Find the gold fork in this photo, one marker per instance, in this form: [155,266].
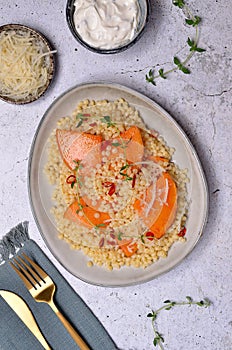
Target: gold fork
[42,288]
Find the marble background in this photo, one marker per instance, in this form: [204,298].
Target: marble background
[201,104]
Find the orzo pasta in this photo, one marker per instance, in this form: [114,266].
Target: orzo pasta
[118,195]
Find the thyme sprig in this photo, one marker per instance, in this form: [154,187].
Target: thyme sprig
[190,20]
[158,339]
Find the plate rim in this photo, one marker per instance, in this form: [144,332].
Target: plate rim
[168,116]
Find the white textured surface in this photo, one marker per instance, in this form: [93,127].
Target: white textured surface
[201,103]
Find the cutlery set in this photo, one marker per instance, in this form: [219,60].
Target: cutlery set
[42,289]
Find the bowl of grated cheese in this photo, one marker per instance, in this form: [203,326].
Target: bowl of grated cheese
[27,64]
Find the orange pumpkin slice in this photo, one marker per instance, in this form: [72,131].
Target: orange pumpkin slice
[163,211]
[82,214]
[75,146]
[134,148]
[168,212]
[128,247]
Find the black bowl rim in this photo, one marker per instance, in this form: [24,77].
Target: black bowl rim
[42,37]
[105,51]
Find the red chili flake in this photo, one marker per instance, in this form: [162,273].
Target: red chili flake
[92,124]
[182,232]
[111,185]
[150,235]
[70,179]
[112,236]
[101,242]
[86,115]
[111,242]
[112,190]
[133,181]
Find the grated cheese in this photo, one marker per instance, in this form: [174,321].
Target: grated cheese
[24,70]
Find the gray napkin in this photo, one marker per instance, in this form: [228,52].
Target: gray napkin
[14,334]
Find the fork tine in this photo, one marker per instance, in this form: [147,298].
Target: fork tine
[32,275]
[32,278]
[37,268]
[21,275]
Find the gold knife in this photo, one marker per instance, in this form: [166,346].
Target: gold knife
[22,310]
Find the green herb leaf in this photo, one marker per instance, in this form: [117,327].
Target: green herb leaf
[184,69]
[177,61]
[193,22]
[79,116]
[80,123]
[99,225]
[190,42]
[120,236]
[155,341]
[116,144]
[124,167]
[168,308]
[193,46]
[198,49]
[106,119]
[161,73]
[189,299]
[72,184]
[150,77]
[200,303]
[127,178]
[179,3]
[181,67]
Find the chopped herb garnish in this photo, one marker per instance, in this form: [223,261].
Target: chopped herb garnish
[106,119]
[99,225]
[126,177]
[120,236]
[116,144]
[80,118]
[80,206]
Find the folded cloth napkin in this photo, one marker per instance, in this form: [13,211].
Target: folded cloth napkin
[13,333]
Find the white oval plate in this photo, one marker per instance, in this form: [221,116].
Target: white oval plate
[40,192]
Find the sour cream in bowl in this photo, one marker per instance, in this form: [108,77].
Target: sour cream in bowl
[107,26]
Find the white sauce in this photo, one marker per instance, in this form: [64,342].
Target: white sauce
[106,24]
